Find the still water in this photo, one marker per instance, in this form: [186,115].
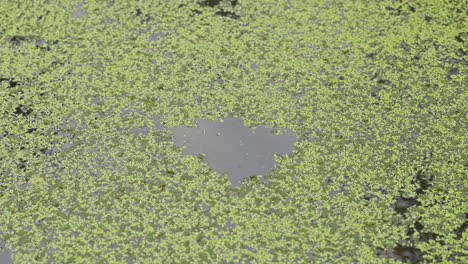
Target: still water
[231,147]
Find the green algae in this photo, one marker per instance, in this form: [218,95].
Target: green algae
[374,90]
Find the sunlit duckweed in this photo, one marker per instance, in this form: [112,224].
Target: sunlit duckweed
[375,92]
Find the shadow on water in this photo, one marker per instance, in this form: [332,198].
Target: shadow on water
[231,147]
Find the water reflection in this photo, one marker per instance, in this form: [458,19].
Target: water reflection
[231,147]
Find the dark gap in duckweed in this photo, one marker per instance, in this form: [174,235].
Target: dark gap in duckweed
[17,40]
[412,254]
[20,109]
[24,109]
[15,86]
[462,228]
[215,4]
[11,83]
[402,252]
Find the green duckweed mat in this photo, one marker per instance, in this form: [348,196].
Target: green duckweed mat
[376,92]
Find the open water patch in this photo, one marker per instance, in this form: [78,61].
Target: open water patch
[233,148]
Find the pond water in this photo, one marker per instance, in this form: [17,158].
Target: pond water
[5,254]
[231,147]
